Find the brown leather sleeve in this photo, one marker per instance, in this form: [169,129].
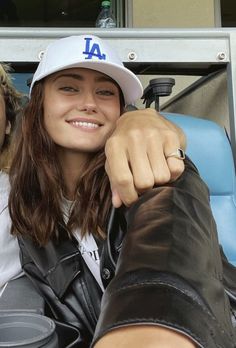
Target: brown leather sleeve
[169,271]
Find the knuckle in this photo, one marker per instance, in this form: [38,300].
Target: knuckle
[163,137]
[153,134]
[162,178]
[124,180]
[142,185]
[177,170]
[171,137]
[128,201]
[135,134]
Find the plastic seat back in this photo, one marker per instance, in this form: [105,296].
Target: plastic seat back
[210,150]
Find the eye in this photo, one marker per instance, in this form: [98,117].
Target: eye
[69,89]
[105,92]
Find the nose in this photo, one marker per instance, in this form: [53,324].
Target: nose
[88,103]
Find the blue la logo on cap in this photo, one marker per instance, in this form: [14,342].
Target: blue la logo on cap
[94,50]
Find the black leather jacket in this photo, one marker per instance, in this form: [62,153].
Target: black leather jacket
[160,264]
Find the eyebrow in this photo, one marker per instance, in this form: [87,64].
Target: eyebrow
[79,77]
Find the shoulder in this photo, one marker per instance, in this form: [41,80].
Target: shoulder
[4,182]
[6,239]
[4,191]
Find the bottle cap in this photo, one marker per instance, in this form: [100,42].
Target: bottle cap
[106,3]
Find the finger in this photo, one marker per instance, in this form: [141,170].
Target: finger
[158,162]
[116,200]
[160,168]
[176,167]
[121,180]
[140,167]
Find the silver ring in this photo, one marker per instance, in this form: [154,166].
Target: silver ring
[179,153]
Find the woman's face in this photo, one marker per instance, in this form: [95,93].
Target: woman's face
[4,125]
[81,107]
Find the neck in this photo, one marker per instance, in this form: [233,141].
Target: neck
[72,164]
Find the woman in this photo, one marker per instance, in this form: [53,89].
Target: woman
[157,264]
[10,106]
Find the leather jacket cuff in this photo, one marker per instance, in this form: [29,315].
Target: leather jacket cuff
[178,307]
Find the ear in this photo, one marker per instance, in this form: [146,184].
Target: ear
[8,128]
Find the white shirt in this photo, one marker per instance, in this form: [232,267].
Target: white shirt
[10,266]
[87,245]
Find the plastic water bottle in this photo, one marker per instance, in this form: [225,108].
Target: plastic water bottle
[105,18]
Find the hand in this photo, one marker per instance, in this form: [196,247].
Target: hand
[136,153]
[144,337]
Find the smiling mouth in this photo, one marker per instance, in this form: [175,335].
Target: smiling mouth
[83,124]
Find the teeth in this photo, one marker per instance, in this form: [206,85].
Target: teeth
[85,124]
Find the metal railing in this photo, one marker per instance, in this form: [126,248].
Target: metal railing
[145,51]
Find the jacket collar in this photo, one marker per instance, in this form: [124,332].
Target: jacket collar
[59,261]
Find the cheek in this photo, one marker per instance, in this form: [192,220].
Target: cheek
[51,115]
[48,114]
[114,113]
[51,112]
[48,122]
[50,119]
[53,126]
[53,129]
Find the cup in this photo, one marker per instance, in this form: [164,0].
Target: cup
[27,330]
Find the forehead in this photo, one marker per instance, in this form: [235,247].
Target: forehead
[81,74]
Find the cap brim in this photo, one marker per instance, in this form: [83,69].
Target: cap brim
[130,85]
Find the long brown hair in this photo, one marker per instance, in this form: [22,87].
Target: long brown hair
[37,184]
[13,105]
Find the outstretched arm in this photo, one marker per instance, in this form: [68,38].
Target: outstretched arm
[136,154]
[168,271]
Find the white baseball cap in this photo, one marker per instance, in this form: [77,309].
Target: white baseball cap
[88,51]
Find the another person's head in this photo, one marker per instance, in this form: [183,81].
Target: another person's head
[78,92]
[10,105]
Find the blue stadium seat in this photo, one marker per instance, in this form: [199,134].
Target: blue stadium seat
[210,150]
